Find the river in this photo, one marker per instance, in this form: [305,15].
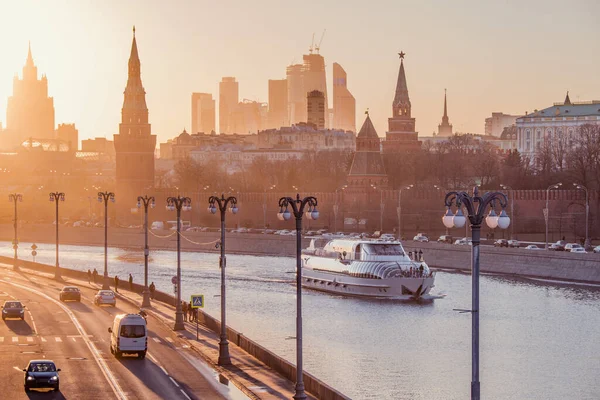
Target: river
[539,341]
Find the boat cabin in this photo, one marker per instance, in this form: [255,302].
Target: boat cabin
[364,250]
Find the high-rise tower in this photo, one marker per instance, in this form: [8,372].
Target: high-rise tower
[296,94]
[278,103]
[315,77]
[445,128]
[401,135]
[315,108]
[203,113]
[134,144]
[229,92]
[30,112]
[344,105]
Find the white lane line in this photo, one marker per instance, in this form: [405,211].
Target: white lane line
[185,394]
[58,339]
[150,356]
[108,374]
[157,340]
[168,339]
[29,339]
[1,338]
[43,339]
[164,370]
[15,339]
[73,339]
[174,381]
[34,327]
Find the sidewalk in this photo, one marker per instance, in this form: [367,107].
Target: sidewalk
[254,378]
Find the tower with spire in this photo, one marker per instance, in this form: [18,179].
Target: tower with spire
[401,135]
[445,128]
[367,166]
[30,112]
[134,144]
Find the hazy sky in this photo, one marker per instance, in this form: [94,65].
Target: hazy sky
[509,56]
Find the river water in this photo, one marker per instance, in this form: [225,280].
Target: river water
[539,341]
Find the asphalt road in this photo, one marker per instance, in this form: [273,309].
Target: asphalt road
[75,336]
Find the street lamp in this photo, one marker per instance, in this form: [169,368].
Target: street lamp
[105,197]
[475,206]
[546,211]
[336,207]
[222,203]
[298,206]
[146,201]
[265,205]
[55,197]
[400,209]
[14,197]
[512,209]
[179,203]
[587,244]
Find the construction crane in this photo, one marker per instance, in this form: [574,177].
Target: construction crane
[312,44]
[318,47]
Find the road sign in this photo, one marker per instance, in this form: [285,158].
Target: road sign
[197,301]
[174,280]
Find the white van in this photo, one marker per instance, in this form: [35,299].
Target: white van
[157,225]
[129,335]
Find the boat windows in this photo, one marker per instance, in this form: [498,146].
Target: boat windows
[357,252]
[383,249]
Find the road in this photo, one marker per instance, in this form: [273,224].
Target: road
[74,335]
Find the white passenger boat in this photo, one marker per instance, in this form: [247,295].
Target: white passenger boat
[366,268]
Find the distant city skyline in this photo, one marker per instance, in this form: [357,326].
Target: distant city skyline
[521,59]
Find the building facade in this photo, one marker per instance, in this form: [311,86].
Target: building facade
[278,104]
[203,113]
[306,137]
[495,124]
[401,135]
[315,109]
[229,93]
[367,167]
[558,122]
[68,134]
[344,104]
[134,144]
[296,94]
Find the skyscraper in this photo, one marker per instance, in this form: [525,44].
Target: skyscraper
[315,108]
[344,105]
[134,144]
[296,94]
[313,71]
[229,93]
[401,135]
[278,103]
[203,113]
[30,112]
[445,128]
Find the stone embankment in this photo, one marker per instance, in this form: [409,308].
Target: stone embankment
[504,261]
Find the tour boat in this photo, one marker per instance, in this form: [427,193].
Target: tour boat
[366,268]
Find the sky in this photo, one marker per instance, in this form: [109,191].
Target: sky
[508,56]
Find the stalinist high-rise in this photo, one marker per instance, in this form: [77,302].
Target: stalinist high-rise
[134,144]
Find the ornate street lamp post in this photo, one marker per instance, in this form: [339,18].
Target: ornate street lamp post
[475,206]
[105,197]
[298,206]
[547,211]
[15,197]
[400,209]
[587,244]
[179,203]
[146,201]
[223,204]
[55,197]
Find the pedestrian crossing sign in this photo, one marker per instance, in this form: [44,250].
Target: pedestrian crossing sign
[197,301]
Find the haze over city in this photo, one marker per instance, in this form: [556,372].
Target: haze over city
[491,56]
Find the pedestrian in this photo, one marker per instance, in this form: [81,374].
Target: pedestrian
[196,314]
[116,283]
[191,312]
[184,308]
[152,288]
[89,276]
[95,275]
[130,282]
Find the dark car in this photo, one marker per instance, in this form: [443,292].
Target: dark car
[501,243]
[13,309]
[70,293]
[445,239]
[41,374]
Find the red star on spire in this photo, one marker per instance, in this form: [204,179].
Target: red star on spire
[402,54]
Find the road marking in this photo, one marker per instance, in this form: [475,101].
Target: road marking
[73,339]
[157,340]
[15,339]
[43,339]
[185,394]
[29,339]
[58,339]
[154,360]
[74,336]
[164,370]
[108,374]
[1,338]
[33,323]
[174,382]
[168,339]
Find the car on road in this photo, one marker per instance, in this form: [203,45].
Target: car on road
[13,309]
[463,242]
[558,246]
[105,297]
[501,243]
[70,293]
[578,250]
[128,335]
[421,238]
[532,247]
[513,243]
[387,237]
[41,374]
[571,246]
[445,239]
[597,249]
